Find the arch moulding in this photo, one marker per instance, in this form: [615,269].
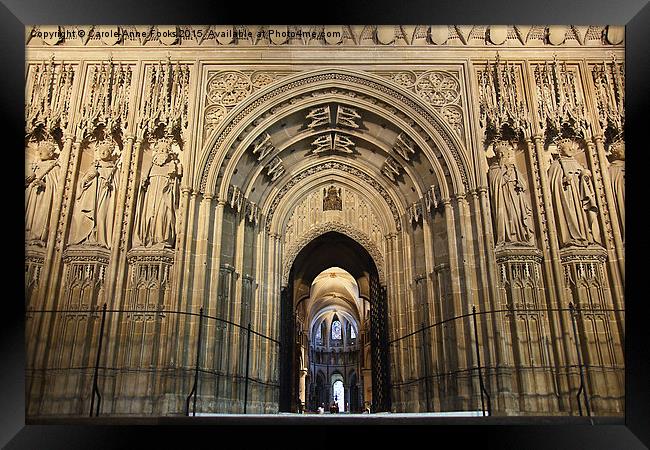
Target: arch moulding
[339,227]
[268,99]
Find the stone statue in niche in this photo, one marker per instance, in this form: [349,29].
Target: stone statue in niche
[574,198]
[41,184]
[617,180]
[159,198]
[332,199]
[511,209]
[96,199]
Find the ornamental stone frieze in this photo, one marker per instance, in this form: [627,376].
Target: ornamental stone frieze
[216,36]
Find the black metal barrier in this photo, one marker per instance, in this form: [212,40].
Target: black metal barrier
[478,330]
[96,343]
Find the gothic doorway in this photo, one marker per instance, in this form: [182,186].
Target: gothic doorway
[333,321]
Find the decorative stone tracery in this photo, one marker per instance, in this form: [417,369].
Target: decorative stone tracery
[339,227]
[228,88]
[332,165]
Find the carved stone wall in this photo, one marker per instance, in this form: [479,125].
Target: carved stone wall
[178,190]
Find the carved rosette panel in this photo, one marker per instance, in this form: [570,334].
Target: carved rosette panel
[440,89]
[343,228]
[228,88]
[225,89]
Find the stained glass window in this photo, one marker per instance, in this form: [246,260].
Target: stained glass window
[353,335]
[318,335]
[336,330]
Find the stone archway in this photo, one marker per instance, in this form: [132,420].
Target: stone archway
[391,158]
[329,250]
[342,228]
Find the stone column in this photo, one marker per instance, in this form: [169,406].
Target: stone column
[616,258]
[302,388]
[560,325]
[456,392]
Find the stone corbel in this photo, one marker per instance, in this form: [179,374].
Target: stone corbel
[431,199]
[404,147]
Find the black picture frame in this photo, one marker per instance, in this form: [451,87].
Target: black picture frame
[635,14]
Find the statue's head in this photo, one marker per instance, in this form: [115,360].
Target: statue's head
[504,151]
[617,149]
[163,147]
[104,149]
[567,146]
[47,149]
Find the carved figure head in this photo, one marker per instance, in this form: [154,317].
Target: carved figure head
[617,149]
[567,146]
[104,150]
[162,151]
[47,150]
[504,151]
